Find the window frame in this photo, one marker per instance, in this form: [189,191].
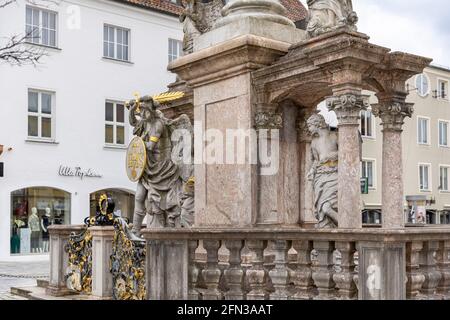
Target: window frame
[428,143]
[39,114]
[41,10]
[172,57]
[438,89]
[372,124]
[115,124]
[439,133]
[115,43]
[446,166]
[374,171]
[429,85]
[430,178]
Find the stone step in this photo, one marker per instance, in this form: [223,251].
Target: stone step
[42,283]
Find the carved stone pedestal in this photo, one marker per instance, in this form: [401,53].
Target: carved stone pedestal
[102,281]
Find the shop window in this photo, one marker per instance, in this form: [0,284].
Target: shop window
[124,202]
[33,210]
[431,217]
[371,217]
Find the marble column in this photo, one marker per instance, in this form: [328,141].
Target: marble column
[348,107]
[268,124]
[307,219]
[392,112]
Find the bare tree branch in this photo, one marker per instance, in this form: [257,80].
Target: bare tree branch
[18,49]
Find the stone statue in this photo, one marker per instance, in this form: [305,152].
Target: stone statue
[161,190]
[329,15]
[324,172]
[198,17]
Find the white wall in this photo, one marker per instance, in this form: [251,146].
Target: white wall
[82,81]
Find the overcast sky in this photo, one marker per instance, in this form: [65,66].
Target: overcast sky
[415,26]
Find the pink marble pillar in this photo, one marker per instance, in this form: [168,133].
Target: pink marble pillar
[348,108]
[392,113]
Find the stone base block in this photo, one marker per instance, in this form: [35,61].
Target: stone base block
[250,26]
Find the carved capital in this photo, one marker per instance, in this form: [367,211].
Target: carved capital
[304,135]
[348,107]
[393,114]
[268,120]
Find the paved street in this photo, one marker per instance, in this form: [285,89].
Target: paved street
[20,274]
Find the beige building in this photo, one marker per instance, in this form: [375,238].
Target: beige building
[426,152]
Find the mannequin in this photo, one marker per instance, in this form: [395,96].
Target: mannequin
[45,223]
[34,224]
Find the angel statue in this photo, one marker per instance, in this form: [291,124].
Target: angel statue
[159,160]
[329,15]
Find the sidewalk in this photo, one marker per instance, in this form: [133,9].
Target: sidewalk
[20,274]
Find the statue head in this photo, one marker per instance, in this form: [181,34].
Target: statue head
[315,123]
[148,107]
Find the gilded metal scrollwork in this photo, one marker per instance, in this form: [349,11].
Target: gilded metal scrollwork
[79,273]
[127,264]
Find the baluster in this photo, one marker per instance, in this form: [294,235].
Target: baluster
[429,269]
[281,273]
[212,273]
[302,276]
[323,271]
[193,271]
[344,279]
[234,274]
[257,275]
[415,277]
[443,264]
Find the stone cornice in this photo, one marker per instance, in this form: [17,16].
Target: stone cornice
[243,54]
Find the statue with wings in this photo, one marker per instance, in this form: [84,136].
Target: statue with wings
[159,159]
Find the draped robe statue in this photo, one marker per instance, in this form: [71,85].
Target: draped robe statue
[324,172]
[329,15]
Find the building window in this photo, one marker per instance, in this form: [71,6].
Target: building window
[367,171]
[124,202]
[422,85]
[114,123]
[443,178]
[424,177]
[443,133]
[175,49]
[367,124]
[40,111]
[442,91]
[422,131]
[41,26]
[445,217]
[33,210]
[116,43]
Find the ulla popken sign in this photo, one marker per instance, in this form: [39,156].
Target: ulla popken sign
[79,172]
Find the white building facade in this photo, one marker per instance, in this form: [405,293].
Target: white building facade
[63,125]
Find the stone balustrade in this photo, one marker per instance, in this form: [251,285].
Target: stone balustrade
[59,258]
[292,264]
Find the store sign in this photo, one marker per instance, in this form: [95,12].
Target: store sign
[79,172]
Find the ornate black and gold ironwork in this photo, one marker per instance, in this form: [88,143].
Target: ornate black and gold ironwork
[127,264]
[79,276]
[104,214]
